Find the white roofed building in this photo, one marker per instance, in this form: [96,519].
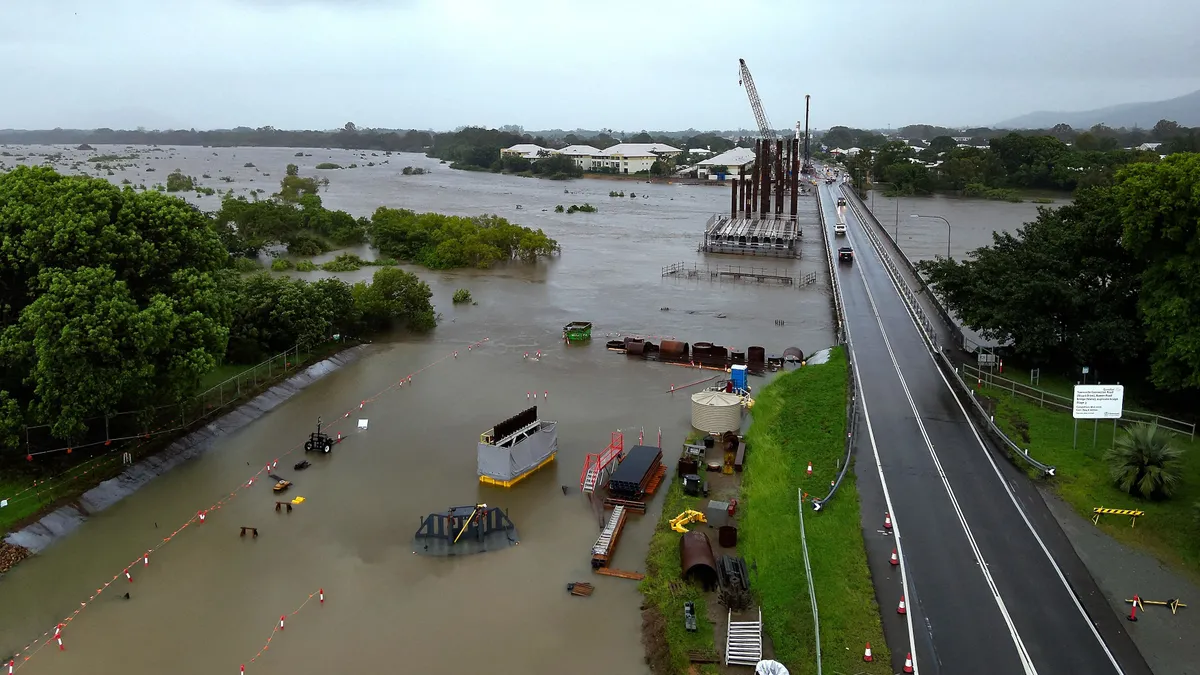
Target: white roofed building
[736,162]
[526,150]
[582,154]
[632,157]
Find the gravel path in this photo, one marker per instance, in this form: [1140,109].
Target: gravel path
[1169,643]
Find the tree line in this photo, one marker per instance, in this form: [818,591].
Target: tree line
[1111,281]
[115,299]
[998,165]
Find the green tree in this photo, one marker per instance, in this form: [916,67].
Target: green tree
[293,170]
[178,182]
[1145,462]
[1159,204]
[109,299]
[1062,289]
[395,297]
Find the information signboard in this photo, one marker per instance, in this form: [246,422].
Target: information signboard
[1098,401]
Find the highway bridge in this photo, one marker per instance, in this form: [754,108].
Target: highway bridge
[992,585]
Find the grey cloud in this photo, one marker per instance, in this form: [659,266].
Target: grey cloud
[623,64]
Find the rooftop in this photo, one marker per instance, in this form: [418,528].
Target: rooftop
[579,151]
[637,149]
[734,157]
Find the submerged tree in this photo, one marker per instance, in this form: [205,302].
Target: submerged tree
[1144,462]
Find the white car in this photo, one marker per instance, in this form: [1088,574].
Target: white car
[839,229]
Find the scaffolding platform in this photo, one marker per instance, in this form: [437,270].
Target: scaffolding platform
[464,530]
[514,449]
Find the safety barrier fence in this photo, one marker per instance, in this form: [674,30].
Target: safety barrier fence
[141,563]
[812,591]
[128,446]
[852,390]
[1049,399]
[942,359]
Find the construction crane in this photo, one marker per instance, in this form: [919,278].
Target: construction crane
[764,126]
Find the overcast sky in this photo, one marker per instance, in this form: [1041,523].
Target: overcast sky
[646,64]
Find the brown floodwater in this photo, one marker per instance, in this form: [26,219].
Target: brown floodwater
[209,599]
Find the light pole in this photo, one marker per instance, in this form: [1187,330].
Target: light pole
[948,256]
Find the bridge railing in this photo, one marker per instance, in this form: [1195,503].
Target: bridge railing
[942,359]
[838,308]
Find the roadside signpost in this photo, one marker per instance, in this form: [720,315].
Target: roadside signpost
[1097,402]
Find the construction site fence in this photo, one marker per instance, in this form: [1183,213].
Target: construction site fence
[942,358]
[852,387]
[130,425]
[1048,399]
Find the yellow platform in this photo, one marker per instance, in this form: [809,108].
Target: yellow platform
[487,480]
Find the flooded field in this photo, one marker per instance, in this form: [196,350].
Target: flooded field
[209,599]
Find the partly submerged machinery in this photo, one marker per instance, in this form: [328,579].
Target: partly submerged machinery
[463,530]
[318,442]
[515,448]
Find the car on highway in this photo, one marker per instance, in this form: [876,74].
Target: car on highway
[829,181]
[845,255]
[841,201]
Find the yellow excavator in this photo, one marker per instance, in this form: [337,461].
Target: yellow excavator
[686,518]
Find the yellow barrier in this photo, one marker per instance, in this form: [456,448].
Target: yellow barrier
[1101,511]
[1173,604]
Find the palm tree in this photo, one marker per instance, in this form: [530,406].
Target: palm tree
[1144,462]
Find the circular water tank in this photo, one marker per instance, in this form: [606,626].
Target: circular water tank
[716,412]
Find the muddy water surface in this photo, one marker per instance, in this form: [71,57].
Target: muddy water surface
[209,599]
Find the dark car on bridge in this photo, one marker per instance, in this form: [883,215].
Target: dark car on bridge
[841,201]
[845,255]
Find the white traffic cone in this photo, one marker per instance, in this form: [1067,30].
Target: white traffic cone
[901,609]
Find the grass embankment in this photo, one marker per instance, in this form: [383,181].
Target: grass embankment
[667,640]
[1168,530]
[37,488]
[798,418]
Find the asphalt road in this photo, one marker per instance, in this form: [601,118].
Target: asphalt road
[983,592]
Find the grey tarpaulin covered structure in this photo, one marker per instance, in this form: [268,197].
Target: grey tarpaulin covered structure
[524,442]
[770,668]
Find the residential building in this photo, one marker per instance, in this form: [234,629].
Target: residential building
[581,154]
[1148,146]
[526,150]
[737,161]
[632,157]
[620,158]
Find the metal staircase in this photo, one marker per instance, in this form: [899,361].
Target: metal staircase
[743,642]
[598,466]
[610,528]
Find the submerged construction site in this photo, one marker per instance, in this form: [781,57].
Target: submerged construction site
[757,222]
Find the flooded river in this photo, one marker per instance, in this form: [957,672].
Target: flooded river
[972,221]
[209,599]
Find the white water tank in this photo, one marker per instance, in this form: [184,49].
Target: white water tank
[715,412]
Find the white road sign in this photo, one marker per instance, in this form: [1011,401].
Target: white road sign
[1098,401]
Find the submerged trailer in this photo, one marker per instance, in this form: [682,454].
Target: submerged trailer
[513,449]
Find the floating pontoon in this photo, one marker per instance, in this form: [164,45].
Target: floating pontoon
[512,450]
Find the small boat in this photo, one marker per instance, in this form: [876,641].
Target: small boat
[302,465]
[282,485]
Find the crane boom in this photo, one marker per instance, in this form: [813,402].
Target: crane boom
[760,116]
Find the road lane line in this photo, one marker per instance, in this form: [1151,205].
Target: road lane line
[1012,497]
[1022,652]
[887,497]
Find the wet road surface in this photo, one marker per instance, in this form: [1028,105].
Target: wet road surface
[983,593]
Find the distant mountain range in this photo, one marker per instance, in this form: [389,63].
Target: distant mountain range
[1185,110]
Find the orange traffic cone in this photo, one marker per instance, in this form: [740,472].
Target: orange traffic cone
[908,667]
[1133,610]
[809,468]
[867,654]
[887,521]
[901,609]
[895,558]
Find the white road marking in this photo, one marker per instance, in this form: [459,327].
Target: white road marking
[1012,497]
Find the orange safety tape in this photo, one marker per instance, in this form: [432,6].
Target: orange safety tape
[276,629]
[24,654]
